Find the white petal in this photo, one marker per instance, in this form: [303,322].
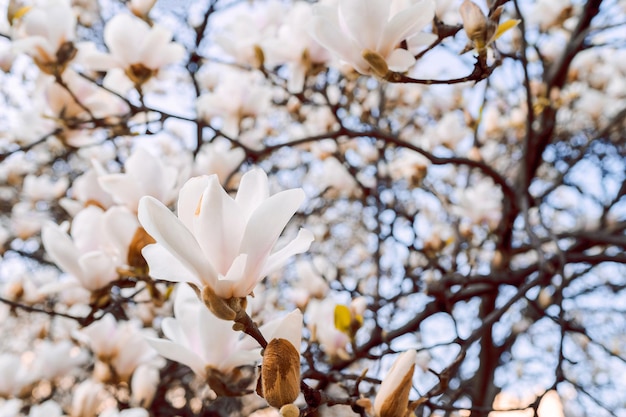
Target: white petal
[332,38]
[168,231]
[163,265]
[235,283]
[400,60]
[98,270]
[265,225]
[365,20]
[123,188]
[290,328]
[118,33]
[61,249]
[403,364]
[405,24]
[219,226]
[189,199]
[253,190]
[179,353]
[300,244]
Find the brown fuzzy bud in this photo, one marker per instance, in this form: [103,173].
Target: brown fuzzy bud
[280,373]
[377,63]
[225,309]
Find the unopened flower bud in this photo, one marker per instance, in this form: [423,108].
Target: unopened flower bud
[280,373]
[393,397]
[289,410]
[474,21]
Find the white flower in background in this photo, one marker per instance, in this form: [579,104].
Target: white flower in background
[43,187]
[54,359]
[143,385]
[45,33]
[237,95]
[122,346]
[218,157]
[294,46]
[218,241]
[15,375]
[140,50]
[98,245]
[26,220]
[310,284]
[392,399]
[335,180]
[87,398]
[320,319]
[480,203]
[86,191]
[63,106]
[200,340]
[145,174]
[367,35]
[246,29]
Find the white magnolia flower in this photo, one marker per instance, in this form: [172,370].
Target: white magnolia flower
[45,33]
[200,340]
[218,241]
[145,174]
[121,345]
[98,244]
[137,48]
[367,35]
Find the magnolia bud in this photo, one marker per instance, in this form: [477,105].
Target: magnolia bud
[280,373]
[474,21]
[289,410]
[393,397]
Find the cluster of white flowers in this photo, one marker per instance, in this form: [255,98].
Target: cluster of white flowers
[255,184]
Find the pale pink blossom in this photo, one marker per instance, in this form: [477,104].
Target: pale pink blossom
[219,241]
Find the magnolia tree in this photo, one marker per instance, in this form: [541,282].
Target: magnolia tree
[343,208]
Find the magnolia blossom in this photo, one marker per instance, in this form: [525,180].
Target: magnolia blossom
[46,33]
[367,35]
[237,95]
[120,345]
[98,244]
[218,241]
[294,46]
[200,340]
[481,203]
[320,319]
[136,47]
[145,174]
